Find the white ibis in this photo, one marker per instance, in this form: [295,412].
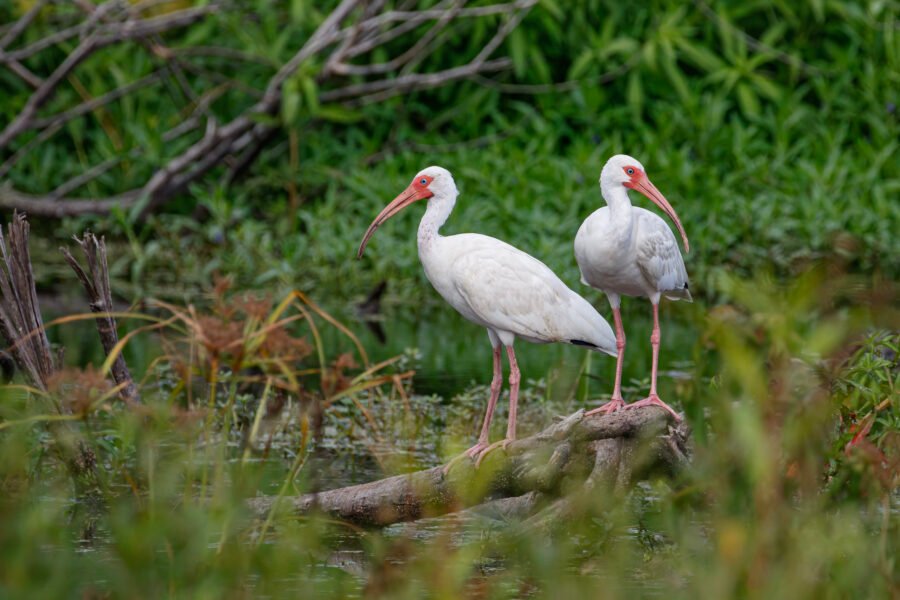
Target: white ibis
[627,251]
[497,286]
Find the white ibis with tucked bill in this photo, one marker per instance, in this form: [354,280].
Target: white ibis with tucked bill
[497,286]
[627,251]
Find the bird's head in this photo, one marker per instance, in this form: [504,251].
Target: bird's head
[625,171]
[429,182]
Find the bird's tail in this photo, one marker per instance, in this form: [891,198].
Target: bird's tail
[596,333]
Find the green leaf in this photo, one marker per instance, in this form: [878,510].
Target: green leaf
[767,87]
[581,64]
[648,54]
[635,93]
[673,72]
[291,100]
[553,8]
[620,45]
[518,52]
[700,56]
[310,93]
[748,100]
[339,114]
[539,65]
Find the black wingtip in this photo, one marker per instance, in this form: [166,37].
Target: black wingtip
[582,343]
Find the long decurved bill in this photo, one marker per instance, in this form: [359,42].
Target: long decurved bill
[646,187]
[407,197]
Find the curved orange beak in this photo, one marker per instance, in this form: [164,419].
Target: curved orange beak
[643,185]
[407,197]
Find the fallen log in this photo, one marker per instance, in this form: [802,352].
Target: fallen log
[577,452]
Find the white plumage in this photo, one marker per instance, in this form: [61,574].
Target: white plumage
[497,286]
[627,251]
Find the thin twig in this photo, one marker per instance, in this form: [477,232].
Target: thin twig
[244,137]
[125,31]
[562,86]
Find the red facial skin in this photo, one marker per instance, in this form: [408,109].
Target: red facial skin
[638,181]
[417,190]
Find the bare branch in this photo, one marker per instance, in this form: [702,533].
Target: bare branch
[416,50]
[412,19]
[95,103]
[381,89]
[239,141]
[127,30]
[20,25]
[562,86]
[11,199]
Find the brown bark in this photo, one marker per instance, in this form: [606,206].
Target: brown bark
[598,452]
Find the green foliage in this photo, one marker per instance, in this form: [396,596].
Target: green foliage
[747,519]
[772,128]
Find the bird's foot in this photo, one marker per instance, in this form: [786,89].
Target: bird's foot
[653,400]
[608,408]
[471,453]
[477,449]
[501,444]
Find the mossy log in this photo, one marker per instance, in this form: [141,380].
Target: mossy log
[600,451]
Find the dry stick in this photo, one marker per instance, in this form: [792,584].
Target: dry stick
[19,313]
[20,25]
[599,452]
[220,142]
[562,86]
[379,90]
[96,285]
[22,326]
[417,50]
[55,38]
[385,88]
[412,19]
[10,36]
[95,41]
[375,40]
[95,103]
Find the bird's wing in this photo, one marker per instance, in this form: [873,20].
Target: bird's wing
[512,291]
[659,257]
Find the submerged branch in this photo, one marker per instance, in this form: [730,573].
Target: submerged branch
[601,451]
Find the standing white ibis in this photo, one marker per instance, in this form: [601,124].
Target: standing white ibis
[497,286]
[627,251]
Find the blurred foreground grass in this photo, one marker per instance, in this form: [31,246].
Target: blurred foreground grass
[792,493]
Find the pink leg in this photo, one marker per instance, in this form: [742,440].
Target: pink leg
[616,402]
[653,398]
[514,378]
[496,384]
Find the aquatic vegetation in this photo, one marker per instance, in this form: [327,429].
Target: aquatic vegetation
[783,378]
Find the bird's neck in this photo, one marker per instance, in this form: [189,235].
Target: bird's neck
[439,208]
[616,196]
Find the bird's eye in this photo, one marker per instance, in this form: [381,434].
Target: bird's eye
[630,171]
[423,181]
